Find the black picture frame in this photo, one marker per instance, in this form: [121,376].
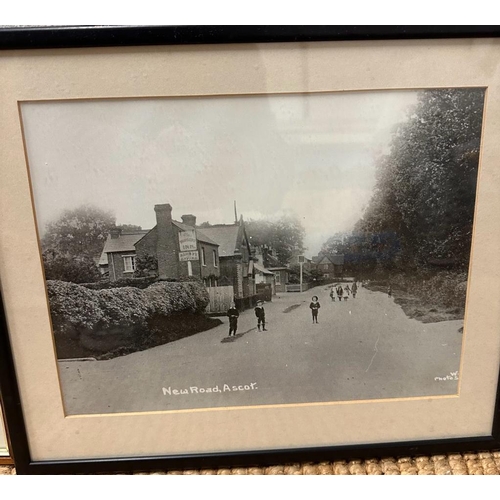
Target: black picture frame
[39,37]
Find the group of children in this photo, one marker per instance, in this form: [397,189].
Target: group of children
[344,292]
[260,313]
[233,314]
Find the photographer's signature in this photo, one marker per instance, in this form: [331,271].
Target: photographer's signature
[451,376]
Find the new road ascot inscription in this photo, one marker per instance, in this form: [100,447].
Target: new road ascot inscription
[169,391]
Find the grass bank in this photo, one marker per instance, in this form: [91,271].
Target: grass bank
[429,298]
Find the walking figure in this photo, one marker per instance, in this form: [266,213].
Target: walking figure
[332,295]
[389,291]
[261,315]
[233,319]
[348,290]
[314,305]
[354,290]
[340,292]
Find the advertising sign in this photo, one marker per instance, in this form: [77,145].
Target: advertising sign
[186,256]
[187,241]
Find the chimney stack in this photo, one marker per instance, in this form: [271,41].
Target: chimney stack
[115,233]
[189,220]
[166,246]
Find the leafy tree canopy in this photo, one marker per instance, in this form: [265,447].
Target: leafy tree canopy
[426,184]
[285,236]
[129,227]
[60,267]
[422,207]
[80,232]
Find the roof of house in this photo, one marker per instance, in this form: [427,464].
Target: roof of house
[200,234]
[337,260]
[226,235]
[262,269]
[124,243]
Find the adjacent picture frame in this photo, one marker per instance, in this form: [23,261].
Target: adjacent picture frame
[4,450]
[64,414]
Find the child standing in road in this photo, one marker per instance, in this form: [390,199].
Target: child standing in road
[340,292]
[314,305]
[233,319]
[354,290]
[261,315]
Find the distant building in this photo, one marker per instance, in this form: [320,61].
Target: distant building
[306,262]
[266,257]
[330,266]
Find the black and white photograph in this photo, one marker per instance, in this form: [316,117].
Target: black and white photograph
[222,251]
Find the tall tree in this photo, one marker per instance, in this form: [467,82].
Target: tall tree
[334,244]
[426,184]
[285,236]
[79,233]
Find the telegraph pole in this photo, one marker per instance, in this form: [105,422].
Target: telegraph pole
[301,262]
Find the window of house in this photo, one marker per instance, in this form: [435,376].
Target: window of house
[278,278]
[129,263]
[203,261]
[215,258]
[325,266]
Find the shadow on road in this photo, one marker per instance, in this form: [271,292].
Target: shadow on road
[236,337]
[291,308]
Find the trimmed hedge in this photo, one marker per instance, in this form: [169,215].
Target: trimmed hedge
[73,307]
[123,282]
[140,282]
[78,308]
[123,307]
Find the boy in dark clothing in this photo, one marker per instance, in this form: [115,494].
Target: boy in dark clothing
[354,290]
[261,315]
[233,319]
[314,305]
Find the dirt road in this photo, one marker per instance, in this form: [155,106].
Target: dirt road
[363,348]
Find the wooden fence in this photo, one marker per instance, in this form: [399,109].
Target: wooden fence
[220,299]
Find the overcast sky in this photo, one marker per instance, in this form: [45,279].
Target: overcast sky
[311,155]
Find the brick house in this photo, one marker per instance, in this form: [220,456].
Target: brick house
[236,263]
[180,248]
[330,266]
[218,254]
[118,258]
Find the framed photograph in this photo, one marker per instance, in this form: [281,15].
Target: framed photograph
[235,246]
